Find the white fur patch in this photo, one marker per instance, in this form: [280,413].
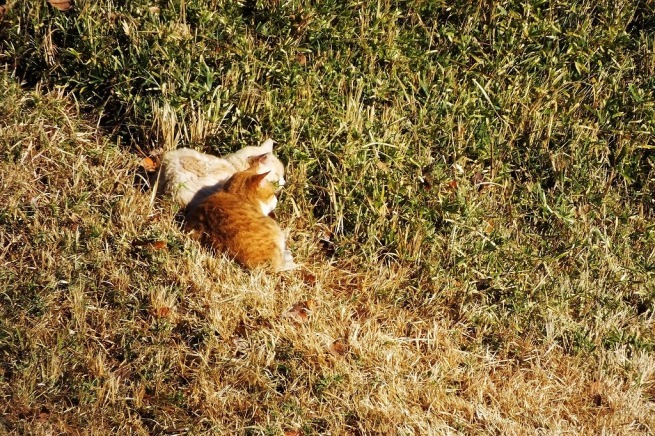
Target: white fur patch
[268,207]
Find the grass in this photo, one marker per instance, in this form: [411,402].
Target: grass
[470,190]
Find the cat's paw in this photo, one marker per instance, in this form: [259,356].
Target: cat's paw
[289,263]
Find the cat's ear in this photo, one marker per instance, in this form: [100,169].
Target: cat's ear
[253,161]
[267,145]
[258,179]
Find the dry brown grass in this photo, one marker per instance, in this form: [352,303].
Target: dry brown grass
[471,193]
[103,330]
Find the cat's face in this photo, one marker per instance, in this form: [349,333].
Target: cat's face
[253,185]
[243,159]
[268,163]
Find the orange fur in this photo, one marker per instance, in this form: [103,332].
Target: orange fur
[235,221]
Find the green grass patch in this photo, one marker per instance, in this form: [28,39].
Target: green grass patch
[470,184]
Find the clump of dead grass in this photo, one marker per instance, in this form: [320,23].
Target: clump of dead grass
[470,195]
[100,331]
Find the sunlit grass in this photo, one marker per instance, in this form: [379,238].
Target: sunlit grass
[470,189]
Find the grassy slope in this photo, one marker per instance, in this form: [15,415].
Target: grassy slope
[484,173]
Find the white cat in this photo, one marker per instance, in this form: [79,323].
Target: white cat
[190,176]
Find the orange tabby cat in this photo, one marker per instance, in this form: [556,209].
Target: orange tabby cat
[235,221]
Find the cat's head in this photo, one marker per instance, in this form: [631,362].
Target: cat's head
[268,163]
[254,186]
[244,159]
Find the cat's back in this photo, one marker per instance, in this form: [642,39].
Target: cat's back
[229,224]
[185,172]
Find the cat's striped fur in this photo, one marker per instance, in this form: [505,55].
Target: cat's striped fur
[235,221]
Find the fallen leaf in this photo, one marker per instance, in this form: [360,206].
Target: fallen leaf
[337,348]
[149,164]
[489,227]
[292,433]
[158,245]
[308,278]
[452,184]
[382,166]
[300,311]
[61,5]
[153,9]
[44,414]
[163,312]
[154,245]
[302,59]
